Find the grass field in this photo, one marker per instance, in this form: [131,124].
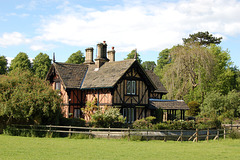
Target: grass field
[63,148]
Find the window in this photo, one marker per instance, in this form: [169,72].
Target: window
[57,85]
[129,114]
[77,113]
[131,87]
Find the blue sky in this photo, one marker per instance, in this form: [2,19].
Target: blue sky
[66,26]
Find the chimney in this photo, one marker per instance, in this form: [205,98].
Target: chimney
[111,55]
[102,54]
[89,56]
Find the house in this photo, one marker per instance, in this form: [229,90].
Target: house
[122,84]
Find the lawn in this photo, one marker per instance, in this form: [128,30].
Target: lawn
[63,148]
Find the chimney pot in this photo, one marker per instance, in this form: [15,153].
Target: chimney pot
[89,56]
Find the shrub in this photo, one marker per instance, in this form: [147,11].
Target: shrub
[108,117]
[194,108]
[234,134]
[144,123]
[72,122]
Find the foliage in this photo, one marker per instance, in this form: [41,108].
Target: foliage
[41,65]
[149,65]
[76,58]
[26,98]
[131,55]
[202,38]
[224,106]
[194,108]
[3,65]
[234,134]
[21,61]
[175,125]
[72,122]
[107,117]
[163,59]
[144,123]
[89,109]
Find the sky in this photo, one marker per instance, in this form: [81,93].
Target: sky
[66,26]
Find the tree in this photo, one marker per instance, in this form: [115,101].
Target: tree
[3,65]
[203,38]
[76,58]
[28,99]
[21,61]
[41,65]
[163,59]
[132,56]
[149,65]
[194,108]
[189,72]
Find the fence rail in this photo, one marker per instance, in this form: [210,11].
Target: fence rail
[179,135]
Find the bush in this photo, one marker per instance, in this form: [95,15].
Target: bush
[72,122]
[144,123]
[194,108]
[108,117]
[234,134]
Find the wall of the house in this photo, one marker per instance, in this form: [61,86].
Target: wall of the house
[64,96]
[156,95]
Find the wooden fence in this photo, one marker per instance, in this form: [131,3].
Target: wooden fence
[178,135]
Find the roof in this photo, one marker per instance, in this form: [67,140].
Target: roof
[72,75]
[107,75]
[168,104]
[156,80]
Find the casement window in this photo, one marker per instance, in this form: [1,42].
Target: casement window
[131,87]
[129,114]
[77,113]
[57,86]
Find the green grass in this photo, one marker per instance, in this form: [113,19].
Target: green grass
[63,148]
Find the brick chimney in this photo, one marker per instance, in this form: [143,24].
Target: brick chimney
[89,56]
[111,55]
[102,54]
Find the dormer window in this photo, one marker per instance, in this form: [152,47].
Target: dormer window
[131,87]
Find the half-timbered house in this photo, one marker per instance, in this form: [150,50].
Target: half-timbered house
[122,84]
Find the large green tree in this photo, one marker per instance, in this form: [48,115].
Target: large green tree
[163,59]
[21,61]
[3,65]
[202,38]
[149,65]
[28,99]
[76,58]
[132,55]
[41,65]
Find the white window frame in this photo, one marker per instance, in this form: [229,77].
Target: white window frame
[57,85]
[131,87]
[76,112]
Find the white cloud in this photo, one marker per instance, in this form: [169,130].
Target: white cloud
[14,38]
[146,26]
[42,47]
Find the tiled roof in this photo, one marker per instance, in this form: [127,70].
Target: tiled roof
[168,104]
[107,75]
[72,75]
[155,79]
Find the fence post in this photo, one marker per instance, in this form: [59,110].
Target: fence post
[50,131]
[147,134]
[69,133]
[181,135]
[207,134]
[224,133]
[218,134]
[166,135]
[128,133]
[108,132]
[196,135]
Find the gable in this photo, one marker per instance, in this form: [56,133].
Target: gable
[71,75]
